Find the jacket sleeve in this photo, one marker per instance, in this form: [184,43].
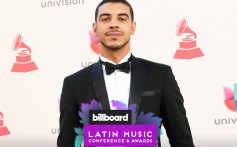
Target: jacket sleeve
[174,114]
[69,118]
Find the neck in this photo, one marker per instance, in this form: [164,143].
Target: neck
[114,55]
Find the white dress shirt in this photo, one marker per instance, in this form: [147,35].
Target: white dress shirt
[118,83]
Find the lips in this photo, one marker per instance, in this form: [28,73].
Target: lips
[113,33]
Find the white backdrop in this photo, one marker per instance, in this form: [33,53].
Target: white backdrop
[57,32]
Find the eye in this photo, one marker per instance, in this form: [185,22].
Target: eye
[122,18]
[104,19]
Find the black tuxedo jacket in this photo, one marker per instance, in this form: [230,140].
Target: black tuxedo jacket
[153,88]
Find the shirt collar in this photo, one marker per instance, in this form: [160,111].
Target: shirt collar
[125,58]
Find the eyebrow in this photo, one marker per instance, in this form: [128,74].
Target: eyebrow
[123,14]
[120,14]
[104,14]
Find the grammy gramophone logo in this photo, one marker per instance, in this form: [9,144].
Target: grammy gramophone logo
[187,46]
[3,129]
[23,58]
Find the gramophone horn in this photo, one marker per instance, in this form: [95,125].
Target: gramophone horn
[18,43]
[182,27]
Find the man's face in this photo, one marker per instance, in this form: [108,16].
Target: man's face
[114,25]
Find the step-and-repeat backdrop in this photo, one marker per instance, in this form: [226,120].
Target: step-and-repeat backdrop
[43,41]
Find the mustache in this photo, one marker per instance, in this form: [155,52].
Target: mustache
[113,31]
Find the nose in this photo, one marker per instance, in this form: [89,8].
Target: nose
[114,27]
[114,24]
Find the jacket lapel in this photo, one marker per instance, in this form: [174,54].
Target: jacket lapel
[99,86]
[138,78]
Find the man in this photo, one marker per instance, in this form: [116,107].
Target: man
[150,85]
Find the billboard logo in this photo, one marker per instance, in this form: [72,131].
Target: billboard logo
[94,42]
[145,123]
[121,135]
[110,117]
[187,46]
[231,98]
[3,129]
[23,58]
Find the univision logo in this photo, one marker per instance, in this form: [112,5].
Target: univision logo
[94,42]
[231,98]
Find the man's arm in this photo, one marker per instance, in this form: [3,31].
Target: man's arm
[69,118]
[174,114]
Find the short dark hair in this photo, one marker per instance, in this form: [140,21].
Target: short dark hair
[114,1]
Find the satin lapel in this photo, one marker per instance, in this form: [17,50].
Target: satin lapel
[99,86]
[138,78]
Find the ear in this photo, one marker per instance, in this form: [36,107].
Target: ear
[133,27]
[94,27]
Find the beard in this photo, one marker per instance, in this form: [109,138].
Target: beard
[114,47]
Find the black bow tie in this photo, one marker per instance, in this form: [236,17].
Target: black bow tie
[110,68]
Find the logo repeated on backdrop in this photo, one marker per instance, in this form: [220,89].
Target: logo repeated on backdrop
[94,45]
[230,98]
[94,42]
[187,46]
[23,58]
[3,129]
[230,101]
[60,3]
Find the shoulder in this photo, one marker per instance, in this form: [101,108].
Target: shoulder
[153,65]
